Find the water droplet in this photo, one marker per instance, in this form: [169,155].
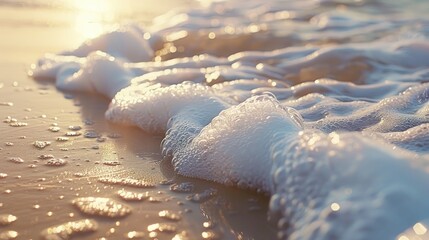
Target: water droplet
[166,214]
[7,104]
[210,235]
[162,227]
[335,207]
[101,206]
[135,235]
[203,196]
[181,236]
[89,122]
[208,224]
[73,134]
[114,135]
[8,235]
[126,182]
[155,199]
[9,119]
[6,219]
[184,187]
[79,174]
[16,160]
[18,124]
[91,134]
[112,163]
[41,144]
[133,196]
[69,229]
[56,162]
[153,234]
[74,128]
[54,129]
[46,156]
[62,139]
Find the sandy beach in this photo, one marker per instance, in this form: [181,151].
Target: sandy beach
[98,160]
[282,119]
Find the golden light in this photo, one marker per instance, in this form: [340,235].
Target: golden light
[335,207]
[92,17]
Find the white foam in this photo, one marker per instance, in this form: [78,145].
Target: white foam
[234,148]
[152,107]
[324,182]
[340,142]
[127,42]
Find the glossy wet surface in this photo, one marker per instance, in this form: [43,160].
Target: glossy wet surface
[59,157]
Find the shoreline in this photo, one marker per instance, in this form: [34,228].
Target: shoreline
[40,196]
[45,193]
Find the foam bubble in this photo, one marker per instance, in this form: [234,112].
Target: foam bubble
[16,160]
[125,42]
[133,196]
[69,229]
[140,183]
[6,219]
[56,162]
[319,187]
[101,207]
[215,153]
[151,108]
[340,142]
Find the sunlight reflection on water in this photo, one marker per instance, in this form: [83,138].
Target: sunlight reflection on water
[92,16]
[55,25]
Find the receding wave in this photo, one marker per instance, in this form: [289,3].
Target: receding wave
[323,105]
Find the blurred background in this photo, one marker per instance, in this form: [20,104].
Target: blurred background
[30,28]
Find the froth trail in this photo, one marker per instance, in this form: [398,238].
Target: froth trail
[323,108]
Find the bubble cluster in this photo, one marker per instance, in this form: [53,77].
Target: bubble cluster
[184,187]
[6,219]
[16,160]
[162,227]
[98,206]
[8,235]
[169,215]
[321,104]
[70,229]
[54,129]
[127,182]
[73,134]
[133,196]
[56,162]
[41,144]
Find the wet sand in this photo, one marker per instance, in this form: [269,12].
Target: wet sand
[40,195]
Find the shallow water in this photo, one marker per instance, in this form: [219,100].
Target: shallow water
[40,191]
[323,105]
[36,196]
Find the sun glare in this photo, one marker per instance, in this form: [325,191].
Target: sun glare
[92,17]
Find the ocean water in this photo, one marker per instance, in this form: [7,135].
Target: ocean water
[323,105]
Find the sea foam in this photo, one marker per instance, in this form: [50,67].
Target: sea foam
[325,109]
